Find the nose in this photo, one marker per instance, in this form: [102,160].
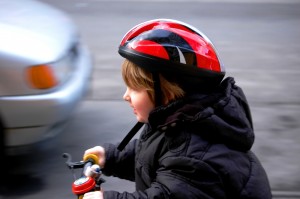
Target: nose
[126,95]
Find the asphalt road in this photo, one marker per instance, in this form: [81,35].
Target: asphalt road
[259,45]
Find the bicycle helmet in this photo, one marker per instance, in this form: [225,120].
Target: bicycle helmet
[174,47]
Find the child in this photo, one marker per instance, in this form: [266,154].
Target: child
[198,129]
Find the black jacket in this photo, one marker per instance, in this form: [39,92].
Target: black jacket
[197,147]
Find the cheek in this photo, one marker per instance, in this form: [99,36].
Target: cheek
[148,108]
[143,107]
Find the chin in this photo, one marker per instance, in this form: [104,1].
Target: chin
[141,120]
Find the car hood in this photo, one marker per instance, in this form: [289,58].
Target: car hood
[35,31]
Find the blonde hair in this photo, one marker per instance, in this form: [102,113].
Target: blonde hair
[137,78]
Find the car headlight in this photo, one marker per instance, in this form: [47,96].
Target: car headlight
[46,76]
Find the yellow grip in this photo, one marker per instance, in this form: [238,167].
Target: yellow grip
[80,197]
[91,156]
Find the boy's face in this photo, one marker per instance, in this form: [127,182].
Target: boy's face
[140,101]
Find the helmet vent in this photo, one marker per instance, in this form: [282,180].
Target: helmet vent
[181,57]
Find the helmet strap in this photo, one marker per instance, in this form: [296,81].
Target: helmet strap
[157,89]
[130,135]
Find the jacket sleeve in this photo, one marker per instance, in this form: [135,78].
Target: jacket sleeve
[120,163]
[178,179]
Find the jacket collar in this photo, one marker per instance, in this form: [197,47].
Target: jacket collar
[223,114]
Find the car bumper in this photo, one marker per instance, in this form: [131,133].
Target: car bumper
[34,118]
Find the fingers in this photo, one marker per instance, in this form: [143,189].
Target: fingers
[93,195]
[99,151]
[95,150]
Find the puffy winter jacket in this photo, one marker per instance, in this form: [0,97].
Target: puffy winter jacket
[197,147]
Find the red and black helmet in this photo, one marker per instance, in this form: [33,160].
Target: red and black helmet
[171,46]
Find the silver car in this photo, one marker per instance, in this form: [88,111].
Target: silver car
[44,73]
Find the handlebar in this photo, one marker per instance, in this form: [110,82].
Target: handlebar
[90,179]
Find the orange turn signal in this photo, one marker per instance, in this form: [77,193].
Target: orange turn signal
[41,77]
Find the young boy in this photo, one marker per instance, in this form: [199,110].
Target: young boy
[198,129]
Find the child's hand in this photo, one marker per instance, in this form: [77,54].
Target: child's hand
[93,195]
[99,151]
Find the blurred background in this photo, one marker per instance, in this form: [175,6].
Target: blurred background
[258,42]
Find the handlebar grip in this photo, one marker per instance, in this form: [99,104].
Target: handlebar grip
[91,157]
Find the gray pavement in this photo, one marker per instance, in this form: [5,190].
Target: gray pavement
[259,45]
